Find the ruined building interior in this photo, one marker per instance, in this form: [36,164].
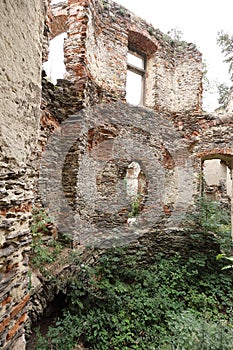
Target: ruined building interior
[110,144]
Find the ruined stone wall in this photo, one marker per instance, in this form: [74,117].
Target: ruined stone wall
[106,47]
[93,153]
[99,34]
[82,181]
[21,31]
[188,77]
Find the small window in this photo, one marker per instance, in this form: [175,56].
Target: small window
[136,67]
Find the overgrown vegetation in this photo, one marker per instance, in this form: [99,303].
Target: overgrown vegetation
[120,302]
[135,208]
[211,216]
[175,37]
[171,304]
[43,250]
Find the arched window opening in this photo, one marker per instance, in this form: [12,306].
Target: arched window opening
[55,67]
[217,184]
[217,187]
[136,187]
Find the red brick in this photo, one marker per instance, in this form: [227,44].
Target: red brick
[7,300]
[15,328]
[4,324]
[20,306]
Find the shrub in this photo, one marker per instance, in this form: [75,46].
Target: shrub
[119,304]
[42,252]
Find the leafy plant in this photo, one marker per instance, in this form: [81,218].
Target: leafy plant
[40,221]
[228,258]
[210,216]
[190,332]
[150,30]
[225,41]
[135,208]
[119,303]
[175,34]
[121,11]
[174,37]
[42,252]
[223,91]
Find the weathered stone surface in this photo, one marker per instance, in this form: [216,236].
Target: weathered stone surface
[96,48]
[168,137]
[21,30]
[99,35]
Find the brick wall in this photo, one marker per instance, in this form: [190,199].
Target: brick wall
[99,34]
[95,54]
[169,140]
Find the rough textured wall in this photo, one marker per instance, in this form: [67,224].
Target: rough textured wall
[21,30]
[99,33]
[188,75]
[173,84]
[101,143]
[96,147]
[106,48]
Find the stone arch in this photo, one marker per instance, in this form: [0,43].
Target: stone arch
[141,42]
[220,172]
[135,181]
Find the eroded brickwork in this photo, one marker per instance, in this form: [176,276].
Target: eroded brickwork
[99,35]
[21,30]
[168,138]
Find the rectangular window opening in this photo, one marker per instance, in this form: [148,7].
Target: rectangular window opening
[136,68]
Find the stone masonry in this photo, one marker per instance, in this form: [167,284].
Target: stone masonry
[20,90]
[89,137]
[99,34]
